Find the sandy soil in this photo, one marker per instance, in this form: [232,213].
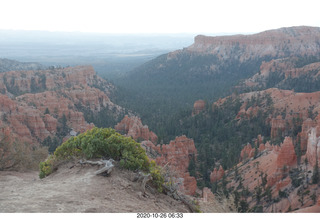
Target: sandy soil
[78,189]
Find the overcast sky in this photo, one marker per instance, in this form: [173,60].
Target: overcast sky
[160,16]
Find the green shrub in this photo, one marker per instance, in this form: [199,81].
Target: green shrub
[46,167]
[157,176]
[105,142]
[98,142]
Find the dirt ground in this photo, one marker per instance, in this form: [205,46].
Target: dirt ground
[75,189]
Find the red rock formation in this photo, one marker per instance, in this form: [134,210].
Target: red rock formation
[305,130]
[277,126]
[286,68]
[152,150]
[6,104]
[6,149]
[31,81]
[283,183]
[313,148]
[285,159]
[189,184]
[177,155]
[268,146]
[90,97]
[198,107]
[274,178]
[216,175]
[245,112]
[262,147]
[247,152]
[61,91]
[207,195]
[287,155]
[132,126]
[177,158]
[50,123]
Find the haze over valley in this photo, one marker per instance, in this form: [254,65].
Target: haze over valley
[112,55]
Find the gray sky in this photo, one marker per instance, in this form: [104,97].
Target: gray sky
[161,16]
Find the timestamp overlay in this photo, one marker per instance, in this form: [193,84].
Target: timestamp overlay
[160,215]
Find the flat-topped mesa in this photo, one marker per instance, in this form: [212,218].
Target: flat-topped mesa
[132,126]
[278,42]
[19,82]
[78,75]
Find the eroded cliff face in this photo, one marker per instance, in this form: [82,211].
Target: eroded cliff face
[313,147]
[37,104]
[35,81]
[297,73]
[177,155]
[132,126]
[273,43]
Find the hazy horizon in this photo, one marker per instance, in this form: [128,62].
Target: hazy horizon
[144,16]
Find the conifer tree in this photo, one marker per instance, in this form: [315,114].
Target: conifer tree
[315,175]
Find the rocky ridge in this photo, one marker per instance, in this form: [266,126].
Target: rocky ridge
[10,65]
[37,104]
[274,43]
[298,73]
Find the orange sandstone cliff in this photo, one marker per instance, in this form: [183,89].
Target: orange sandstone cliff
[34,103]
[177,155]
[132,126]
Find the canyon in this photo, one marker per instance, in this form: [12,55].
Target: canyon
[229,117]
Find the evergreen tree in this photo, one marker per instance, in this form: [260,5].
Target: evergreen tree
[192,167]
[315,175]
[47,111]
